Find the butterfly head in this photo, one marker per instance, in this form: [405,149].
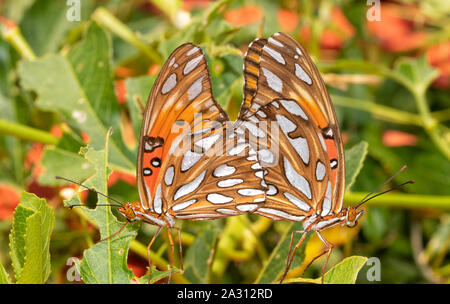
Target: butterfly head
[128,210]
[352,216]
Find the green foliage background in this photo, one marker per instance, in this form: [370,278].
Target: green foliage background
[57,72]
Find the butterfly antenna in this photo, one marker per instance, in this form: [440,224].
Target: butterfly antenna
[369,197]
[119,204]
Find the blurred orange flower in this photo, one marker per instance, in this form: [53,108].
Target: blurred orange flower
[438,56]
[395,33]
[9,198]
[245,15]
[394,138]
[288,20]
[121,91]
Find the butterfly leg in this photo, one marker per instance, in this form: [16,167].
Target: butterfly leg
[171,254]
[148,253]
[290,256]
[328,250]
[180,248]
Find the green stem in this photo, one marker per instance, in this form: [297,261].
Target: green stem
[27,133]
[18,42]
[382,112]
[430,124]
[103,17]
[168,7]
[409,201]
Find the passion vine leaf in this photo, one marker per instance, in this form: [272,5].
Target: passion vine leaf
[156,275]
[199,256]
[29,239]
[106,261]
[345,272]
[414,73]
[4,278]
[80,87]
[138,91]
[276,263]
[354,160]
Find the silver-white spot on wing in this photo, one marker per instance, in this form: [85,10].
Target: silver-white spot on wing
[320,171]
[273,80]
[285,124]
[300,144]
[227,211]
[282,214]
[250,192]
[168,177]
[216,198]
[296,180]
[297,202]
[276,42]
[223,170]
[192,64]
[300,73]
[272,190]
[237,150]
[195,89]
[247,207]
[230,182]
[183,205]
[326,205]
[157,201]
[294,108]
[274,54]
[190,158]
[207,142]
[190,187]
[169,84]
[255,130]
[192,51]
[266,156]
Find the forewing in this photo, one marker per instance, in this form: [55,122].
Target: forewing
[180,99]
[285,71]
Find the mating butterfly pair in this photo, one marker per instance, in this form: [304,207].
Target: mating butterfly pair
[194,164]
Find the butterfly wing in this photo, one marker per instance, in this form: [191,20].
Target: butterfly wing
[183,164]
[181,92]
[285,71]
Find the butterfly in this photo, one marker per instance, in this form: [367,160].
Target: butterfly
[191,164]
[303,159]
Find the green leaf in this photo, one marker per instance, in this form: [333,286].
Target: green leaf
[415,74]
[276,263]
[44,25]
[59,162]
[199,256]
[354,158]
[156,275]
[345,272]
[80,88]
[30,239]
[106,261]
[4,278]
[138,91]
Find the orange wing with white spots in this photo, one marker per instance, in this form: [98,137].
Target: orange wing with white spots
[186,155]
[280,69]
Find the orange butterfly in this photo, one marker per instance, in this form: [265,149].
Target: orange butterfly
[191,163]
[303,158]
